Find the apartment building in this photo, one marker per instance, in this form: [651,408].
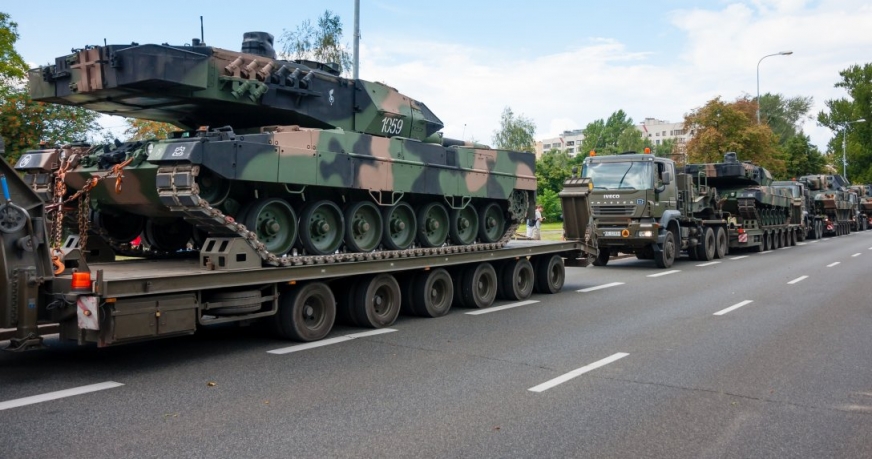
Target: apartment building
[568,141]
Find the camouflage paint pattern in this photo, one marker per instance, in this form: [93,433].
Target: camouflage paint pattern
[734,180]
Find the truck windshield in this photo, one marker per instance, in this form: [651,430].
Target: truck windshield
[612,175]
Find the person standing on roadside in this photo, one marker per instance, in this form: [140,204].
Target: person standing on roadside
[537,229]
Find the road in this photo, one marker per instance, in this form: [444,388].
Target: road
[758,355]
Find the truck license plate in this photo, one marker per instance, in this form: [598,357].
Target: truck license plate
[611,233]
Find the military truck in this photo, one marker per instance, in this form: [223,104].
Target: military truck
[111,302]
[834,207]
[864,206]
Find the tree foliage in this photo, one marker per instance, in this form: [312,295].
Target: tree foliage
[838,115]
[784,115]
[12,65]
[803,158]
[322,43]
[145,129]
[611,136]
[550,202]
[552,169]
[515,133]
[720,127]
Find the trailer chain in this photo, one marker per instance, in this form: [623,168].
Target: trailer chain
[178,190]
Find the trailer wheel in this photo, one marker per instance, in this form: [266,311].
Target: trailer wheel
[785,241]
[478,289]
[602,257]
[517,280]
[344,291]
[666,256]
[550,274]
[429,293]
[377,301]
[457,276]
[705,251]
[306,313]
[720,242]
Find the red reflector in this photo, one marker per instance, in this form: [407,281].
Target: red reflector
[82,281]
[741,230]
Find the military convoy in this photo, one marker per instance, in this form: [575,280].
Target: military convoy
[290,195]
[833,208]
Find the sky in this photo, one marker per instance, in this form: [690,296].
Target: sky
[561,64]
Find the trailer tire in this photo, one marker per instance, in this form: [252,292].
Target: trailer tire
[705,250]
[720,242]
[344,292]
[306,313]
[666,256]
[550,274]
[602,257]
[478,287]
[377,301]
[792,237]
[517,280]
[247,301]
[430,293]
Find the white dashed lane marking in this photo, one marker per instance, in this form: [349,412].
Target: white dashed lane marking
[599,287]
[709,263]
[833,264]
[733,307]
[665,273]
[739,258]
[576,373]
[327,342]
[501,308]
[59,394]
[798,279]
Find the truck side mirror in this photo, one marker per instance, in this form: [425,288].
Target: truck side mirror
[667,177]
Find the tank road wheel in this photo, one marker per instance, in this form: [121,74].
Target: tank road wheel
[720,242]
[429,293]
[478,287]
[306,313]
[275,224]
[492,223]
[400,226]
[602,257]
[432,225]
[363,227]
[321,228]
[666,256]
[212,187]
[550,274]
[705,250]
[464,225]
[377,301]
[517,279]
[170,236]
[120,228]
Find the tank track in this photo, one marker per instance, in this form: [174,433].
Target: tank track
[178,190]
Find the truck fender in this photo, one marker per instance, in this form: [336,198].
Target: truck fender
[665,220]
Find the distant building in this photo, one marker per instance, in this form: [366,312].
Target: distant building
[657,131]
[569,141]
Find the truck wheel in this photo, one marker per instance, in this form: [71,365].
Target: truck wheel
[550,274]
[706,249]
[478,288]
[306,313]
[785,242]
[344,292]
[430,293]
[243,302]
[377,301]
[602,257]
[666,256]
[516,282]
[720,242]
[767,241]
[791,235]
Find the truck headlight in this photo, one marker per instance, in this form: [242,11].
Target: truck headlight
[647,233]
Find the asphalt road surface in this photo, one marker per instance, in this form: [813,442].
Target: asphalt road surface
[758,355]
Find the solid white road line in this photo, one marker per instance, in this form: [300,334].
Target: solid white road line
[798,279]
[739,258]
[56,395]
[327,342]
[665,273]
[735,306]
[599,287]
[833,264]
[500,308]
[856,255]
[575,373]
[709,263]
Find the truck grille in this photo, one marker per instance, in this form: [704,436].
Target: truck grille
[614,210]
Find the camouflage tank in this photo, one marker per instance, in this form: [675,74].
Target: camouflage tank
[801,203]
[287,154]
[833,205]
[744,190]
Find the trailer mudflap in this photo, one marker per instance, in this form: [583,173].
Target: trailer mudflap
[130,319]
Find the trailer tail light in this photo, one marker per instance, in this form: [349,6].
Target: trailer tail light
[741,231]
[82,281]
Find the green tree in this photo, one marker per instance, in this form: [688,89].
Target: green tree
[721,127]
[611,136]
[552,169]
[857,81]
[803,158]
[12,65]
[322,44]
[515,132]
[550,202]
[145,129]
[666,148]
[784,115]
[631,139]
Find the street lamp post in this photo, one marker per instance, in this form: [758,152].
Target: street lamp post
[845,145]
[782,53]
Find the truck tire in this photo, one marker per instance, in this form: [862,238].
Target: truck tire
[239,302]
[478,287]
[550,274]
[430,293]
[344,292]
[602,257]
[666,256]
[720,242]
[705,250]
[377,301]
[306,313]
[516,282]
